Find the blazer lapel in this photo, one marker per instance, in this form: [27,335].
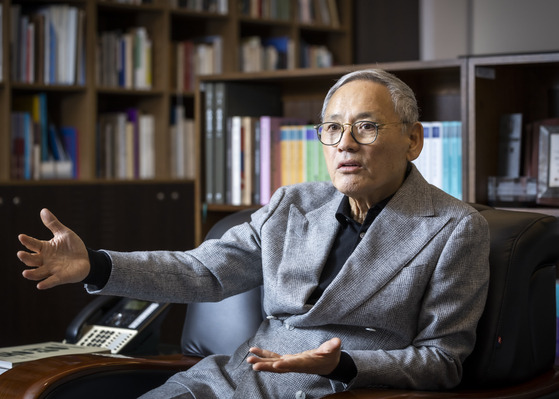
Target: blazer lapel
[304,259]
[387,247]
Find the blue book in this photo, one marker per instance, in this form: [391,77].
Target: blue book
[281,44]
[28,145]
[70,141]
[55,145]
[43,125]
[52,54]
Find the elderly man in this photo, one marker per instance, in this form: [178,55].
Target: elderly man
[376,278]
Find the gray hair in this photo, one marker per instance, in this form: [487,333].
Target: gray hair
[403,98]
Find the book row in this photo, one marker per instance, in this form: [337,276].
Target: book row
[39,149]
[266,9]
[440,161]
[200,56]
[125,59]
[217,6]
[183,146]
[262,154]
[528,161]
[126,145]
[273,53]
[323,12]
[267,54]
[47,44]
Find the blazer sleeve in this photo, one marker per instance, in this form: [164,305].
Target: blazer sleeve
[450,310]
[213,271]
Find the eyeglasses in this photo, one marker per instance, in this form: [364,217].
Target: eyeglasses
[330,133]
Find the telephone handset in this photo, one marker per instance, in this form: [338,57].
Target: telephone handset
[123,325]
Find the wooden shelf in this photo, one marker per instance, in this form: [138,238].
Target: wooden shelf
[499,85]
[439,87]
[475,91]
[165,25]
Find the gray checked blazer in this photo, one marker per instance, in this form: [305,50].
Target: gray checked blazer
[405,304]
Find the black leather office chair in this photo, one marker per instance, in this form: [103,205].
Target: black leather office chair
[513,357]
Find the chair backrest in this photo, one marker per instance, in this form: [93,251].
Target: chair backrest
[516,334]
[221,327]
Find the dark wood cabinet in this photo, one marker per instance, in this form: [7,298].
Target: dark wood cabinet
[124,216]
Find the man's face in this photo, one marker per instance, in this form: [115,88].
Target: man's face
[368,173]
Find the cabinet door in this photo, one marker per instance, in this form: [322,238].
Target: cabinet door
[32,315]
[121,217]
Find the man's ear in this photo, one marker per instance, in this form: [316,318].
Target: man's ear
[415,134]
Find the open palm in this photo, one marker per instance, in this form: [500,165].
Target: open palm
[63,259]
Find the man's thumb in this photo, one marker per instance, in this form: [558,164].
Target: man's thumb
[50,221]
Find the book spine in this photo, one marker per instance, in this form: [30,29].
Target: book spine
[236,161]
[219,143]
[71,145]
[248,159]
[257,162]
[265,160]
[209,142]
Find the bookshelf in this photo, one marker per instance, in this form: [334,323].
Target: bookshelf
[477,91]
[161,25]
[166,197]
[440,87]
[499,85]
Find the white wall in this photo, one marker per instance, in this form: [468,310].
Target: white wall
[451,28]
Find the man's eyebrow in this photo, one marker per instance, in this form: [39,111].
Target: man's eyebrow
[359,116]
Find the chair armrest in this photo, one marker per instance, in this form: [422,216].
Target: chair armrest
[35,378]
[538,387]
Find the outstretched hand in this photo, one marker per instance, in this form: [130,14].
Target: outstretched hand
[63,259]
[322,360]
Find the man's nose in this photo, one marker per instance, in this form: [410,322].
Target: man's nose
[347,141]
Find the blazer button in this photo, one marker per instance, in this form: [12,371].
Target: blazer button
[300,395]
[289,327]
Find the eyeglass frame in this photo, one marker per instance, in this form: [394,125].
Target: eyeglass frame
[351,125]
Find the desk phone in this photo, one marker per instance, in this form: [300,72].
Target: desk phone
[119,324]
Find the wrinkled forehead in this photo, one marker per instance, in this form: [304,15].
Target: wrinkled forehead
[359,100]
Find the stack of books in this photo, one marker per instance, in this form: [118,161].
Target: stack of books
[200,56]
[126,145]
[217,6]
[267,54]
[266,9]
[183,148]
[125,59]
[48,44]
[440,161]
[41,150]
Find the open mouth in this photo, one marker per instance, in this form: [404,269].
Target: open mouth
[349,165]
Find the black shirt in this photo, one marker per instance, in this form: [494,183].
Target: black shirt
[350,234]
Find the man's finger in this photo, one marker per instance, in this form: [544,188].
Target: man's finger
[31,260]
[51,222]
[39,273]
[263,353]
[330,346]
[50,282]
[30,243]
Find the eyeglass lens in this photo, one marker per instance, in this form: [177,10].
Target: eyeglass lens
[364,132]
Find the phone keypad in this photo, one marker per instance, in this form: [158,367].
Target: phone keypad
[107,337]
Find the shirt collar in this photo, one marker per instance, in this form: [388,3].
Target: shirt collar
[343,214]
